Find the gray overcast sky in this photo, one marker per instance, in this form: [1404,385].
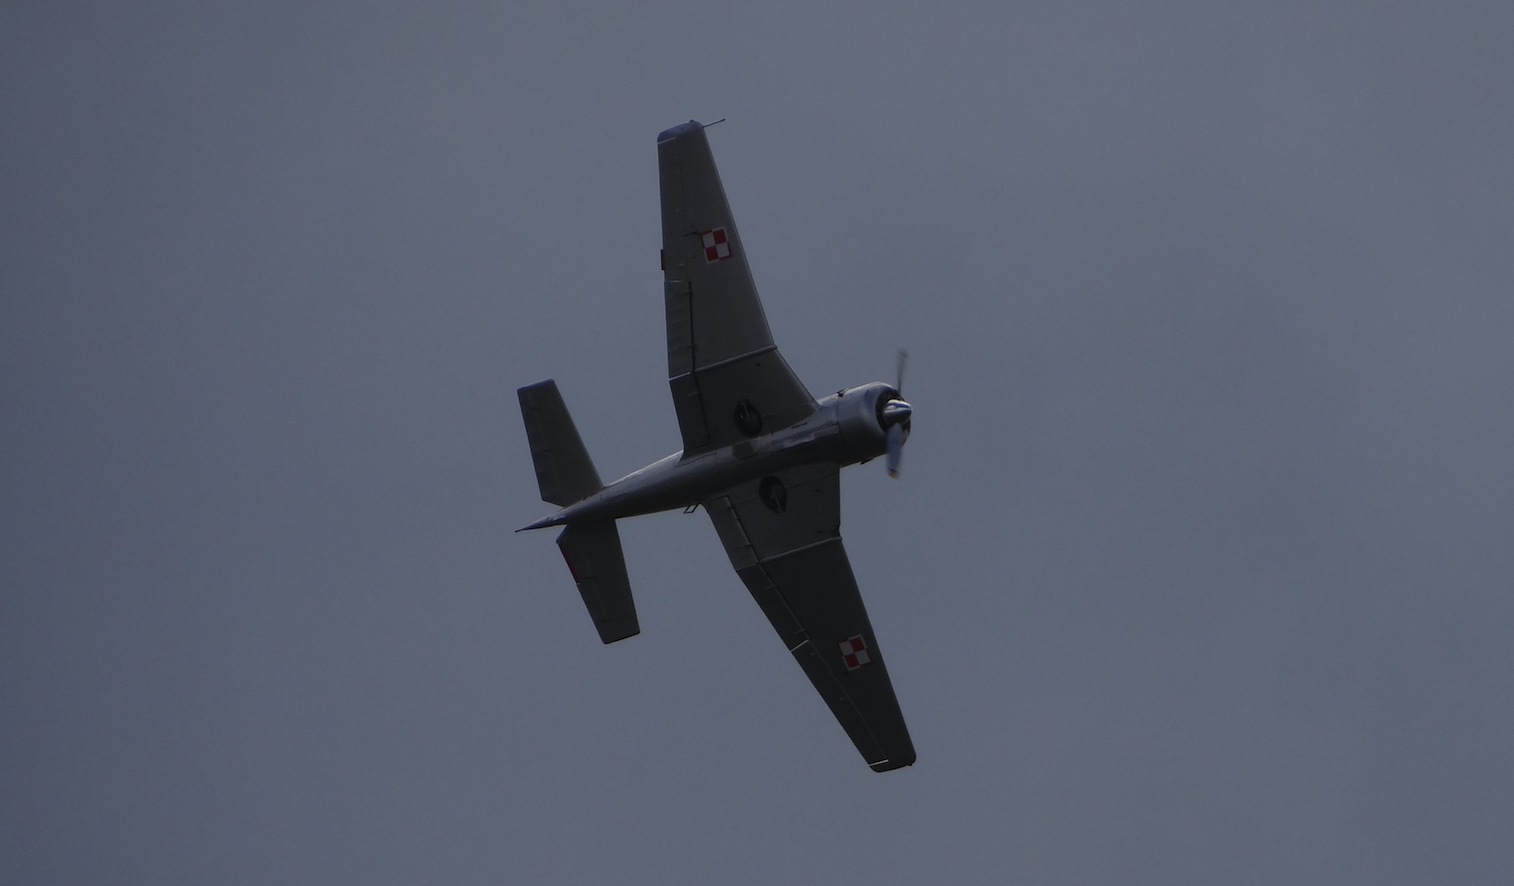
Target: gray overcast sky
[1199,571]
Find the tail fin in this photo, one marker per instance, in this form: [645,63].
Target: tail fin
[598,565]
[563,469]
[566,475]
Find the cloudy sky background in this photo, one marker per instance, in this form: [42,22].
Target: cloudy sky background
[1199,571]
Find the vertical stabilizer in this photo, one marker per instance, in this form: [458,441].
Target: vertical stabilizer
[563,469]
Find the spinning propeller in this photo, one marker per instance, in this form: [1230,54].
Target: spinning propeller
[895,417]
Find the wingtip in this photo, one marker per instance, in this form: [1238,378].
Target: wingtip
[673,132]
[891,765]
[616,636]
[536,384]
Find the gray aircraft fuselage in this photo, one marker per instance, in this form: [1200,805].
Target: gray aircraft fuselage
[844,430]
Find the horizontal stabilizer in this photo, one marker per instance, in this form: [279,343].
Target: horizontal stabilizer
[598,565]
[563,469]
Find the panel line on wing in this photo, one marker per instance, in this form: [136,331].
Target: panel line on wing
[833,540]
[741,542]
[841,704]
[736,359]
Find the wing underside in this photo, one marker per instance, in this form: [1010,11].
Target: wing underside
[782,535]
[728,380]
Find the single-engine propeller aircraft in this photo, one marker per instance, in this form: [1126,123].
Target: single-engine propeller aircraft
[759,453]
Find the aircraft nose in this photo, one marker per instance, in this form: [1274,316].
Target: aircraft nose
[897,412]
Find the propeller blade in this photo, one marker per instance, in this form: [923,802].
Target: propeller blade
[895,449]
[899,371]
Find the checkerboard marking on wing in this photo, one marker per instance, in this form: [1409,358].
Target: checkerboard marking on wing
[716,248]
[854,652]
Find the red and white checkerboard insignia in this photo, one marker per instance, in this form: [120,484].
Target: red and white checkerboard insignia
[716,248]
[854,652]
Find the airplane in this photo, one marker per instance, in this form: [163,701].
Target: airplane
[760,455]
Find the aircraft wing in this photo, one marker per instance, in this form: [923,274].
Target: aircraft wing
[729,381]
[782,534]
